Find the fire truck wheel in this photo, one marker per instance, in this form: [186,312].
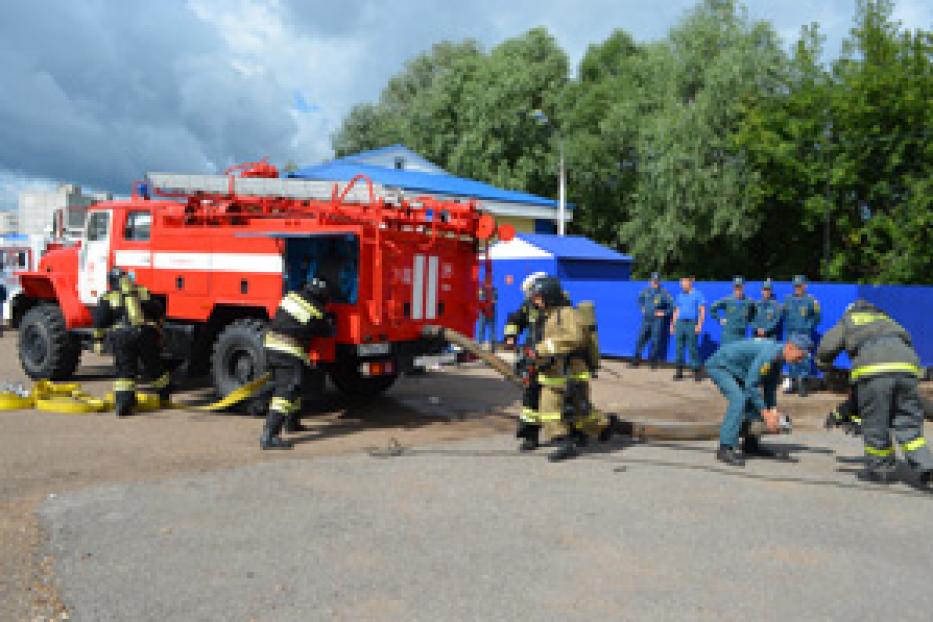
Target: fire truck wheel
[46,348]
[348,381]
[237,359]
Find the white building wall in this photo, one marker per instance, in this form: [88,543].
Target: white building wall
[7,222]
[37,208]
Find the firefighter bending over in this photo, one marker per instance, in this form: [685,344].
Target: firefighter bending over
[133,319]
[885,375]
[299,317]
[564,360]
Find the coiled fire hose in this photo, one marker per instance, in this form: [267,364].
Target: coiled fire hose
[71,399]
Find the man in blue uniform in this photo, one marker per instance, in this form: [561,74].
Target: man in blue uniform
[801,317]
[655,304]
[734,313]
[747,373]
[686,325]
[767,320]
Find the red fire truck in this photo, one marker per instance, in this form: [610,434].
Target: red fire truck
[220,250]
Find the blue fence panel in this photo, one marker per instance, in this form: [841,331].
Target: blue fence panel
[912,307]
[619,317]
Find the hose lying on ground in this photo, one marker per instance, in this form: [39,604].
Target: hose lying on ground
[645,430]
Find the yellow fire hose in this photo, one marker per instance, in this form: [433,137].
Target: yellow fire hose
[70,399]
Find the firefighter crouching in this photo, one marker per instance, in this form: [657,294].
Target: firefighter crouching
[133,319]
[299,317]
[885,374]
[564,359]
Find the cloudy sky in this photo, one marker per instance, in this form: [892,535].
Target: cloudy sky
[99,92]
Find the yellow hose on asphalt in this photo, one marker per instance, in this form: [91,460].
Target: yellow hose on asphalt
[70,399]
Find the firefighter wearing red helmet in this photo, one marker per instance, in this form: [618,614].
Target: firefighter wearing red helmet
[133,320]
[299,317]
[562,359]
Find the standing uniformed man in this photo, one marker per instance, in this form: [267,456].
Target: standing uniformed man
[526,319]
[655,304]
[734,313]
[686,325]
[133,320]
[564,410]
[885,372]
[747,374]
[801,317]
[767,317]
[299,317]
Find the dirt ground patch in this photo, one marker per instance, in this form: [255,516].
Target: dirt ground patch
[44,454]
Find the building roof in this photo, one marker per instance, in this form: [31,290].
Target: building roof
[543,246]
[392,156]
[429,183]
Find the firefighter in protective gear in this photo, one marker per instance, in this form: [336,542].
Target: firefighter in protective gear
[299,317]
[885,372]
[526,319]
[132,318]
[561,356]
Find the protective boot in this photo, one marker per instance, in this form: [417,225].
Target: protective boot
[530,435]
[605,435]
[654,364]
[566,449]
[270,433]
[730,456]
[124,401]
[926,479]
[635,362]
[697,375]
[751,446]
[878,474]
[679,374]
[293,423]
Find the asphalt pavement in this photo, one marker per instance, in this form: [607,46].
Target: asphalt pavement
[473,530]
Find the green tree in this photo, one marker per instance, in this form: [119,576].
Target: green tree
[883,157]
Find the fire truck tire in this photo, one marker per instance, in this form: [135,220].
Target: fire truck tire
[238,357]
[348,381]
[46,348]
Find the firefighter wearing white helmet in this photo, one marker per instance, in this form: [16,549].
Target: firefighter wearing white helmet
[526,318]
[563,359]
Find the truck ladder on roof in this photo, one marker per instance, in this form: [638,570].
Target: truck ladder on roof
[260,187]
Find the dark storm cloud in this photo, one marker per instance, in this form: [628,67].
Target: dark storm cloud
[101,92]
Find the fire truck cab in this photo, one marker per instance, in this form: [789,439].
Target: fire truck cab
[220,251]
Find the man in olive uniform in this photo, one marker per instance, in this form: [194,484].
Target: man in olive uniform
[885,372]
[747,374]
[734,313]
[133,320]
[526,318]
[801,317]
[655,304]
[564,409]
[299,317]
[767,317]
[686,326]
